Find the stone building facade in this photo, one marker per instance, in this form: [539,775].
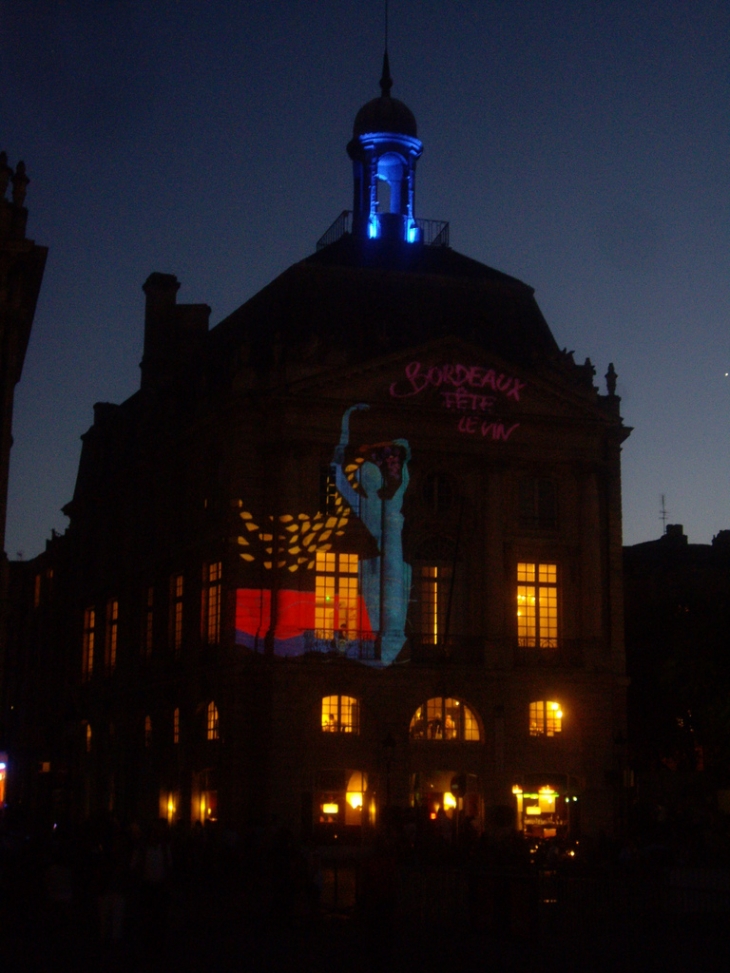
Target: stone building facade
[357,547]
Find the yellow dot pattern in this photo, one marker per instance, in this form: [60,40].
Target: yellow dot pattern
[293,542]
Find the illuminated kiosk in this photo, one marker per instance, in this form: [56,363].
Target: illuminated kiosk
[384,150]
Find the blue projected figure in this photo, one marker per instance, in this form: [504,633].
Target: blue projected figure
[382,480]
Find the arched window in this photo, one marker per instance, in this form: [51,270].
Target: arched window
[390,172]
[213,729]
[546,718]
[444,719]
[340,714]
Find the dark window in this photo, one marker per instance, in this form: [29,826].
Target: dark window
[438,493]
[327,490]
[538,506]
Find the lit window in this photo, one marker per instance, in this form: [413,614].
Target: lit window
[89,638]
[546,718]
[176,725]
[345,799]
[37,591]
[149,624]
[176,611]
[435,591]
[147,731]
[537,605]
[213,729]
[87,737]
[340,714]
[444,719]
[112,631]
[211,614]
[336,595]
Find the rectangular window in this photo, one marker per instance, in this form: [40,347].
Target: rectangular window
[211,613]
[537,605]
[89,637]
[176,611]
[176,725]
[336,595]
[213,726]
[546,718]
[327,489]
[37,591]
[435,592]
[340,714]
[112,631]
[537,503]
[148,629]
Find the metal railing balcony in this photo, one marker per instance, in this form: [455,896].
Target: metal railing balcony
[434,233]
[336,644]
[568,652]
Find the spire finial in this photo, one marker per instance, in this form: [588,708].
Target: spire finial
[386,82]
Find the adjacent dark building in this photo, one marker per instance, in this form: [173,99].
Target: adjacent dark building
[357,546]
[22,263]
[677,641]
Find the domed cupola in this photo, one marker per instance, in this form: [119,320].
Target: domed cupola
[384,150]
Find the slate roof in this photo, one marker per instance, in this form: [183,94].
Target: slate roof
[364,299]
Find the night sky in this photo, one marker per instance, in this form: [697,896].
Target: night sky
[580,145]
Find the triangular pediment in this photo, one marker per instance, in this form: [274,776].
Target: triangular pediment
[453,374]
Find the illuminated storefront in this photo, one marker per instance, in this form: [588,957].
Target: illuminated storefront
[351,806]
[548,810]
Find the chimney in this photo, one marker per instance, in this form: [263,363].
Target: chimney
[172,332]
[675,535]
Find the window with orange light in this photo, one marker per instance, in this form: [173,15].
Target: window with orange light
[340,714]
[89,639]
[537,604]
[148,731]
[350,803]
[176,725]
[445,718]
[211,614]
[213,727]
[546,718]
[112,633]
[176,611]
[435,585]
[336,595]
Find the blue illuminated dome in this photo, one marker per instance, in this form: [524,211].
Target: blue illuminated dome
[385,114]
[384,150]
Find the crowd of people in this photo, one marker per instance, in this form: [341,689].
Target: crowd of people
[102,895]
